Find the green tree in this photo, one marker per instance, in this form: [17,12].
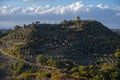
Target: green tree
[115,75]
[58,64]
[50,62]
[19,70]
[41,59]
[117,54]
[17,27]
[26,76]
[74,69]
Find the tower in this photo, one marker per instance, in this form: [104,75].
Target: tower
[77,18]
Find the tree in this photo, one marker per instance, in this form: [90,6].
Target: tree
[17,27]
[115,75]
[2,73]
[0,32]
[26,76]
[117,54]
[59,64]
[41,59]
[74,69]
[19,70]
[83,70]
[50,62]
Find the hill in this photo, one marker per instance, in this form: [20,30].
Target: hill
[60,46]
[116,30]
[72,40]
[4,30]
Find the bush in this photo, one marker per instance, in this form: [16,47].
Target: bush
[42,75]
[2,73]
[26,76]
[41,59]
[117,54]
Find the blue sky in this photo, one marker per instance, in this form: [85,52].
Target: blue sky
[56,2]
[19,12]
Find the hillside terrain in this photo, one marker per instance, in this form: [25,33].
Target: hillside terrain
[116,30]
[82,48]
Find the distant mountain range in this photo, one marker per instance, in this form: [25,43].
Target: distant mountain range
[4,30]
[116,30]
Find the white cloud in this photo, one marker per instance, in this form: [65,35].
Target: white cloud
[72,8]
[116,8]
[113,8]
[57,13]
[9,9]
[55,10]
[103,6]
[118,14]
[76,7]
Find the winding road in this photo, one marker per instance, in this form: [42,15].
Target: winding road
[30,63]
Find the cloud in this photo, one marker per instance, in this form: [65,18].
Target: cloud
[72,8]
[112,8]
[101,6]
[116,8]
[9,9]
[11,15]
[59,10]
[118,14]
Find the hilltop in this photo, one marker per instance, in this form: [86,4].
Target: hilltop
[60,46]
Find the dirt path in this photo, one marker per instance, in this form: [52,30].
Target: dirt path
[32,64]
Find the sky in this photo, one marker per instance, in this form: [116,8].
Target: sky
[19,12]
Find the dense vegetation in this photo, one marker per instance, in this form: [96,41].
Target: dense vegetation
[77,49]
